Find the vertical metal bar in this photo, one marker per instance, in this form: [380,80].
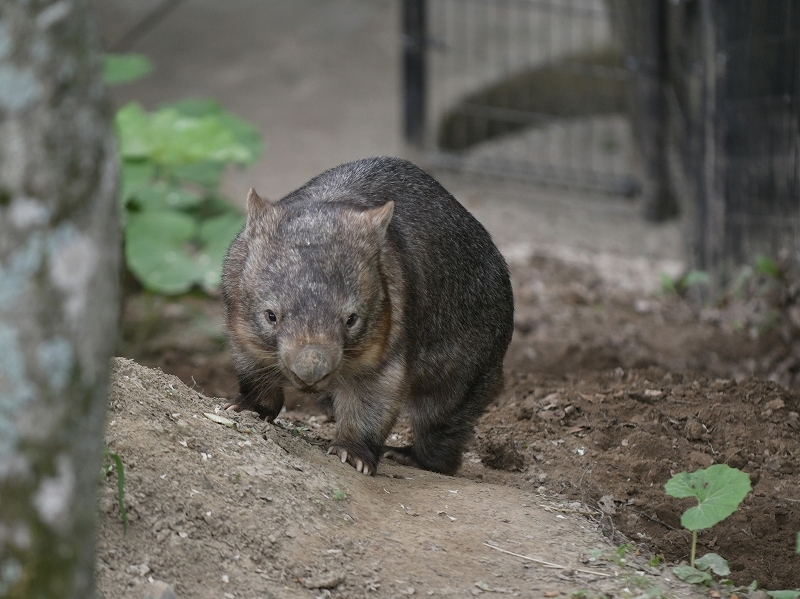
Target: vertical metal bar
[414,72]
[649,82]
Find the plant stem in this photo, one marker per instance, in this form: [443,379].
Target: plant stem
[694,547]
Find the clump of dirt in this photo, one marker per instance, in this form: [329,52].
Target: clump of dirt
[241,508]
[500,453]
[609,393]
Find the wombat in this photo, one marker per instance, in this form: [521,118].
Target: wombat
[372,287]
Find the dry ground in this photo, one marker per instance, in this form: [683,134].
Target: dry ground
[609,392]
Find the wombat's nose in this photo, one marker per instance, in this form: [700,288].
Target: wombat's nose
[311,365]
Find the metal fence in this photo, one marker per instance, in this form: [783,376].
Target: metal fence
[533,89]
[695,102]
[733,106]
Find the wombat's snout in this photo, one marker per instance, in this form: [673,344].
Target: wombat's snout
[311,365]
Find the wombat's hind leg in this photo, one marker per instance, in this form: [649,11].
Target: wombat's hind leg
[401,455]
[442,427]
[266,403]
[325,403]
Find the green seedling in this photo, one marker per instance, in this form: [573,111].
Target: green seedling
[115,464]
[682,284]
[767,266]
[656,560]
[338,495]
[719,489]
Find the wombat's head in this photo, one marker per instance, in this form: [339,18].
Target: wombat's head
[313,299]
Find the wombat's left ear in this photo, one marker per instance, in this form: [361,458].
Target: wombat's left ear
[256,205]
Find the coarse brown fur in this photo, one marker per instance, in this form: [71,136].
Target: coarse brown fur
[374,288]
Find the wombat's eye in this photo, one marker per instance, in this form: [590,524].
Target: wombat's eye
[271,316]
[351,320]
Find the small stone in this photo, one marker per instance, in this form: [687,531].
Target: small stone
[328,580]
[694,430]
[698,458]
[158,589]
[106,505]
[775,404]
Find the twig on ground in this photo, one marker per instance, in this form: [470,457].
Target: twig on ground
[549,564]
[552,508]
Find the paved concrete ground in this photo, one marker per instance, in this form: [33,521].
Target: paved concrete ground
[321,81]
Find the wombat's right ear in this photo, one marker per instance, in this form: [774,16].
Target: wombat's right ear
[256,205]
[381,217]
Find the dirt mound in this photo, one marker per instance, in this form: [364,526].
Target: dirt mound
[258,510]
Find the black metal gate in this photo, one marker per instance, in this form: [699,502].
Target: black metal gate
[531,89]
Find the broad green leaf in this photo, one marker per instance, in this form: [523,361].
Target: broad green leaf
[719,490]
[161,196]
[205,174]
[156,250]
[121,68]
[713,562]
[691,575]
[215,205]
[134,175]
[217,233]
[784,594]
[171,138]
[243,132]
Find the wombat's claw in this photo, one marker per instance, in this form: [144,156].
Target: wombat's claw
[333,451]
[362,467]
[359,464]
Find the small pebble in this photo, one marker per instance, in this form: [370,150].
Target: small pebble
[158,589]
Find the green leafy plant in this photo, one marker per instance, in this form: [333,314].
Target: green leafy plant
[177,226]
[767,266]
[121,68]
[682,284]
[338,495]
[656,560]
[114,464]
[719,489]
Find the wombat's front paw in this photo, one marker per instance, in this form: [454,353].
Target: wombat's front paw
[367,465]
[266,410]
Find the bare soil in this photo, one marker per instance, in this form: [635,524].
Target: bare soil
[609,393]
